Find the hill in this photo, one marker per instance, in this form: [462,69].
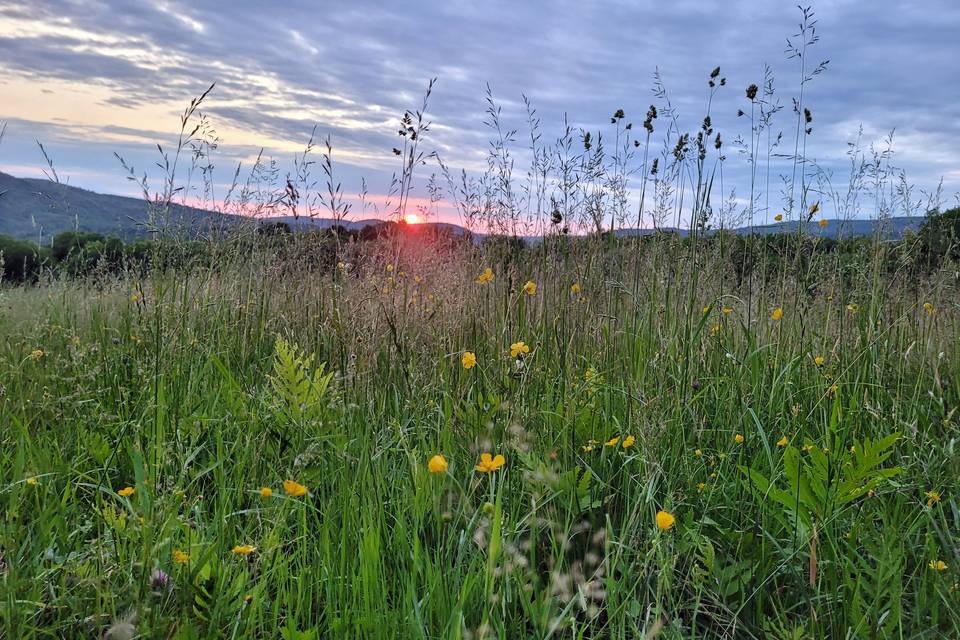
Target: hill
[33,209]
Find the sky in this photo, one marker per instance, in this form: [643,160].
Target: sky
[90,79]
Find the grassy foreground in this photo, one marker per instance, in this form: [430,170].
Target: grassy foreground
[249,451]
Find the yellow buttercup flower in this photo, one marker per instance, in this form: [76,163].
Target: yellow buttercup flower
[782,442]
[294,489]
[489,463]
[244,549]
[575,288]
[777,314]
[612,442]
[726,311]
[807,448]
[937,565]
[853,308]
[738,438]
[665,520]
[933,497]
[126,492]
[266,492]
[486,276]
[697,452]
[823,223]
[628,442]
[437,464]
[701,486]
[180,557]
[778,217]
[819,361]
[518,348]
[469,360]
[530,288]
[929,308]
[36,354]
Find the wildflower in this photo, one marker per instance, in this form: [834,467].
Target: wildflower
[929,308]
[665,520]
[833,389]
[587,448]
[612,442]
[706,310]
[36,354]
[937,565]
[778,217]
[819,361]
[160,581]
[489,463]
[469,360]
[244,549]
[518,348]
[575,288]
[933,497]
[126,492]
[247,599]
[738,438]
[389,268]
[697,452]
[823,222]
[777,314]
[294,489]
[782,442]
[31,481]
[807,448]
[417,279]
[628,442]
[589,374]
[530,288]
[180,557]
[437,464]
[486,276]
[134,297]
[726,311]
[266,492]
[853,307]
[701,486]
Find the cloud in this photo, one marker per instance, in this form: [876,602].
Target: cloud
[118,73]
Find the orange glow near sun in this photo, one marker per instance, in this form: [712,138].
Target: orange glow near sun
[412,218]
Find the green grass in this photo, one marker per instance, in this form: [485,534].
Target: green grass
[187,394]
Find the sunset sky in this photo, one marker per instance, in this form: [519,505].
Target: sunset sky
[88,79]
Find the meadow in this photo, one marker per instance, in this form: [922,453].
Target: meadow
[411,434]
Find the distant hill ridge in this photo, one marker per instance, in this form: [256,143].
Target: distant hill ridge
[35,209]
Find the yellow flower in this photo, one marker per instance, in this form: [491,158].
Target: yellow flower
[587,448]
[126,492]
[530,288]
[575,288]
[437,464]
[697,452]
[777,314]
[782,442]
[180,557]
[665,520]
[612,442]
[489,464]
[778,217]
[853,308]
[937,565]
[727,311]
[518,348]
[36,354]
[486,276]
[706,310]
[701,486]
[266,492]
[929,308]
[819,360]
[738,438]
[469,359]
[389,268]
[294,489]
[589,374]
[244,549]
[32,481]
[823,223]
[417,279]
[933,497]
[134,297]
[833,389]
[628,442]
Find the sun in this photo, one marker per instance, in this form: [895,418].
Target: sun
[412,218]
